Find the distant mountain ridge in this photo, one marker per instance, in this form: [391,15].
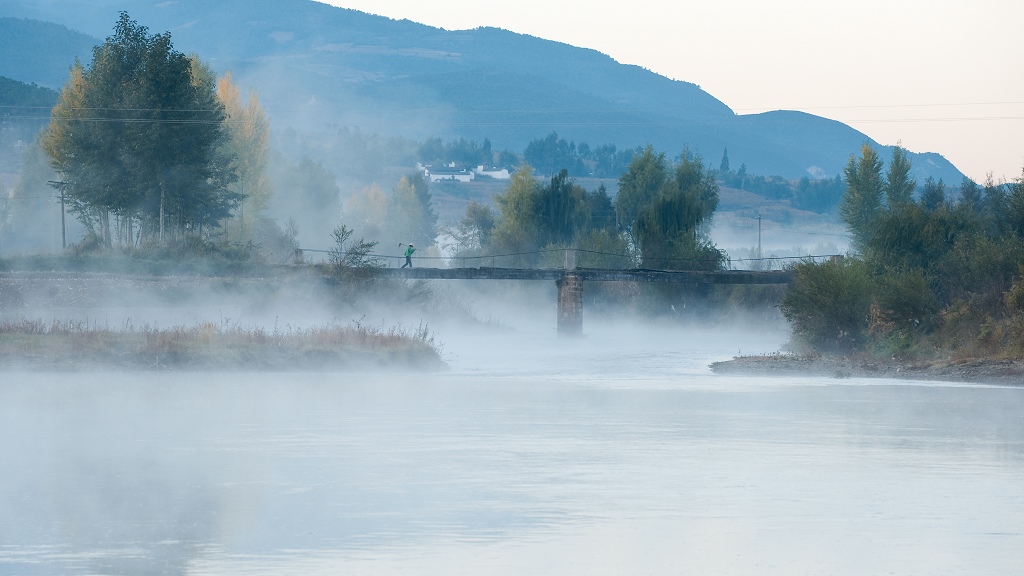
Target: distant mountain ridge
[316,66]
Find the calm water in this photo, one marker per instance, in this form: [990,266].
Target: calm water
[617,454]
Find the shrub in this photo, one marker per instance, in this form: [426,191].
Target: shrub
[829,304]
[905,297]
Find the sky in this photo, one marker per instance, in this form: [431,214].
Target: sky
[942,76]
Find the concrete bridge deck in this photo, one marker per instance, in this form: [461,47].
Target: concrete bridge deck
[570,281]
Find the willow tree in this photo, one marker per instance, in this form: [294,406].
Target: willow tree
[668,211]
[135,136]
[672,229]
[640,185]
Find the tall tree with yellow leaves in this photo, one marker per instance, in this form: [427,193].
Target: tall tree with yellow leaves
[248,143]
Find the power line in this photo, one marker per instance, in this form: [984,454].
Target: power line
[546,124]
[546,111]
[876,106]
[577,110]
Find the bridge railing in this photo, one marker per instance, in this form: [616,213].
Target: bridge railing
[573,258]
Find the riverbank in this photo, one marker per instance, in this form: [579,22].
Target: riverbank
[978,370]
[34,345]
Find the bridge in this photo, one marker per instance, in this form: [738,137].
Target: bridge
[569,281]
[570,278]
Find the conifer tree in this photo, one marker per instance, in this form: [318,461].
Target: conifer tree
[899,186]
[863,198]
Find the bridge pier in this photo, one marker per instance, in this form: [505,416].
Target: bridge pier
[570,305]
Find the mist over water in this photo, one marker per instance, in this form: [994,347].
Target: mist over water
[616,453]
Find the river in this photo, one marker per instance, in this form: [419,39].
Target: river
[619,453]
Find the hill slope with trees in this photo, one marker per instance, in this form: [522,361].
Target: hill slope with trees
[316,65]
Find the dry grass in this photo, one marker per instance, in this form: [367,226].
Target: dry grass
[72,345]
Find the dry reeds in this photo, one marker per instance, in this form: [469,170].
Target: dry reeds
[73,344]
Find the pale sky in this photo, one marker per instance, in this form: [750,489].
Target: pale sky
[942,76]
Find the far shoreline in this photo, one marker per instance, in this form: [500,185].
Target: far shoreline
[972,370]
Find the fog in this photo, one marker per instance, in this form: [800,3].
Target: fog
[615,453]
[618,452]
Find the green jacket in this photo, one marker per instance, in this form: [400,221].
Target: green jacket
[409,251]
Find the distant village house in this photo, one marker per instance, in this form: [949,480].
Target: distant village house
[448,172]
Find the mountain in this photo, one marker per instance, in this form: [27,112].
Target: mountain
[40,52]
[317,66]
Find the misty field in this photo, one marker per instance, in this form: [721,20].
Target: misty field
[72,345]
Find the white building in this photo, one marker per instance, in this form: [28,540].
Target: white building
[447,172]
[496,173]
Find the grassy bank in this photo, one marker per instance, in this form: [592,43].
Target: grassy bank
[73,345]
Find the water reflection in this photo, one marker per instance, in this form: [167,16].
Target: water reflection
[525,458]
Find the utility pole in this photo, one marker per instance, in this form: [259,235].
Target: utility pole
[63,225]
[758,235]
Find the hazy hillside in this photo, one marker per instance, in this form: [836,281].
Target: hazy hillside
[316,66]
[17,95]
[24,110]
[40,52]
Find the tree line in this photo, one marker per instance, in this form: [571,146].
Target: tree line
[935,269]
[150,146]
[660,218]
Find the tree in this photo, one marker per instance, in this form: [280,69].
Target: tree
[411,214]
[135,136]
[610,162]
[473,232]
[601,209]
[561,210]
[671,230]
[368,209]
[347,253]
[899,186]
[970,195]
[551,154]
[517,230]
[640,185]
[247,146]
[351,261]
[1012,217]
[308,194]
[724,166]
[863,197]
[934,194]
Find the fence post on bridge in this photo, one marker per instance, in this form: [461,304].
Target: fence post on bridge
[570,259]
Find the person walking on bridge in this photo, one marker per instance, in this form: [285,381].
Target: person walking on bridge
[408,256]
